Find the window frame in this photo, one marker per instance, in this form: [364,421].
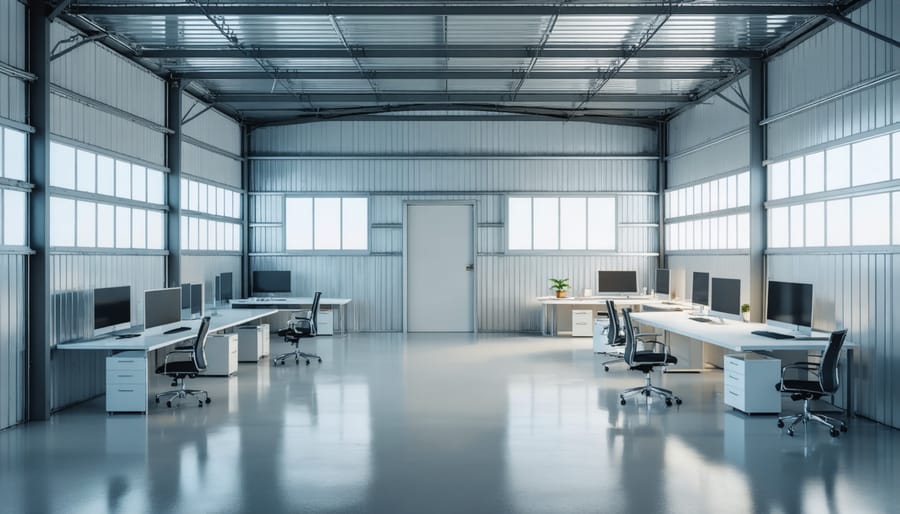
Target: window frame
[313,251]
[558,251]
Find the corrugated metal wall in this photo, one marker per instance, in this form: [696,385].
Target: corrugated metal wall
[13,271]
[421,160]
[203,269]
[856,291]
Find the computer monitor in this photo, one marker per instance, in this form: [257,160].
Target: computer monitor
[271,282]
[725,298]
[617,282]
[112,309]
[196,301]
[700,288]
[162,307]
[789,306]
[662,283]
[217,292]
[225,281]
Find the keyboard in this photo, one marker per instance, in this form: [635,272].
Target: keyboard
[702,320]
[176,330]
[127,336]
[772,335]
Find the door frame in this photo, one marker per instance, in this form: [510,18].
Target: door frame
[470,203]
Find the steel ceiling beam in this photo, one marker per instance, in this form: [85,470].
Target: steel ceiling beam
[487,74]
[441,97]
[394,9]
[440,52]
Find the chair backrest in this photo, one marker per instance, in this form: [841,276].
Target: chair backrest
[828,369]
[630,340]
[612,333]
[314,315]
[200,344]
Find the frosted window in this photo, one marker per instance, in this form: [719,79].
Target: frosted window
[123,179]
[797,178]
[668,203]
[62,166]
[682,202]
[194,196]
[228,209]
[837,221]
[743,228]
[673,204]
[518,224]
[689,201]
[298,223]
[62,221]
[815,173]
[156,188]
[546,223]
[237,205]
[184,193]
[106,178]
[327,224]
[220,235]
[797,225]
[14,218]
[815,224]
[723,193]
[139,183]
[744,189]
[212,234]
[704,197]
[86,164]
[229,237]
[220,201]
[837,168]
[778,227]
[682,236]
[185,234]
[14,149]
[601,224]
[698,203]
[872,161]
[87,224]
[732,192]
[779,180]
[123,227]
[155,232]
[236,231]
[572,223]
[714,196]
[704,234]
[697,235]
[355,217]
[194,233]
[896,212]
[723,232]
[203,197]
[714,234]
[896,153]
[871,220]
[106,226]
[202,234]
[138,228]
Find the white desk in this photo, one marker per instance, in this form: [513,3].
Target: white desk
[550,306]
[295,303]
[737,336]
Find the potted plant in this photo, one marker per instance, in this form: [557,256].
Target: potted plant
[745,312]
[560,285]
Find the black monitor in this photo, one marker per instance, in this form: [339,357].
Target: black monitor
[225,281]
[617,282]
[700,288]
[186,297]
[217,293]
[789,306]
[271,282]
[725,298]
[112,309]
[662,282]
[196,301]
[162,307]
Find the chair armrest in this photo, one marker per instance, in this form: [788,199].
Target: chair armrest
[812,367]
[173,352]
[648,334]
[659,343]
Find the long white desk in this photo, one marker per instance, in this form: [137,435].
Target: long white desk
[737,336]
[550,306]
[296,303]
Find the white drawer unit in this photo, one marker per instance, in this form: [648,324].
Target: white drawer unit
[126,382]
[253,342]
[750,380]
[582,323]
[221,355]
[325,322]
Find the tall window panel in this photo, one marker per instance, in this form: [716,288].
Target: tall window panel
[709,229]
[13,202]
[211,217]
[326,224]
[561,223]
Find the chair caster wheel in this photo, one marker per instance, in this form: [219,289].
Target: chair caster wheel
[780,424]
[320,360]
[668,402]
[622,401]
[274,363]
[791,432]
[208,401]
[606,368]
[646,393]
[200,404]
[307,362]
[169,404]
[157,400]
[843,427]
[834,433]
[297,362]
[678,401]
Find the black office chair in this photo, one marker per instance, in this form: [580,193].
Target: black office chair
[300,327]
[190,368]
[615,336]
[644,361]
[826,383]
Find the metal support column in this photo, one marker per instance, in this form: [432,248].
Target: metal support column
[661,183]
[173,159]
[758,234]
[245,215]
[39,263]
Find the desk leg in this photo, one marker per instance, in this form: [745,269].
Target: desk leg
[848,405]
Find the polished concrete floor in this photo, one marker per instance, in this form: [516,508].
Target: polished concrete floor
[451,423]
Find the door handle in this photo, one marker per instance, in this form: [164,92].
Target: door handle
[470,267]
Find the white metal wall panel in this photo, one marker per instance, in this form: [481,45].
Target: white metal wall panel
[212,127]
[202,269]
[12,52]
[213,166]
[13,339]
[374,282]
[829,62]
[722,266]
[77,376]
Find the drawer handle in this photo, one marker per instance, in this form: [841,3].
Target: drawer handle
[130,360]
[733,377]
[732,393]
[126,390]
[124,376]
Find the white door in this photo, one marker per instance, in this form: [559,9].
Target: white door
[440,276]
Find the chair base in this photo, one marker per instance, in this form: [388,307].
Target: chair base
[612,361]
[649,389]
[297,355]
[834,425]
[183,393]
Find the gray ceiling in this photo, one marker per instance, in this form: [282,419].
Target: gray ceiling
[274,61]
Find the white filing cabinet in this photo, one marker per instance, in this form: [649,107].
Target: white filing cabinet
[750,380]
[126,382]
[221,354]
[325,322]
[253,342]
[582,323]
